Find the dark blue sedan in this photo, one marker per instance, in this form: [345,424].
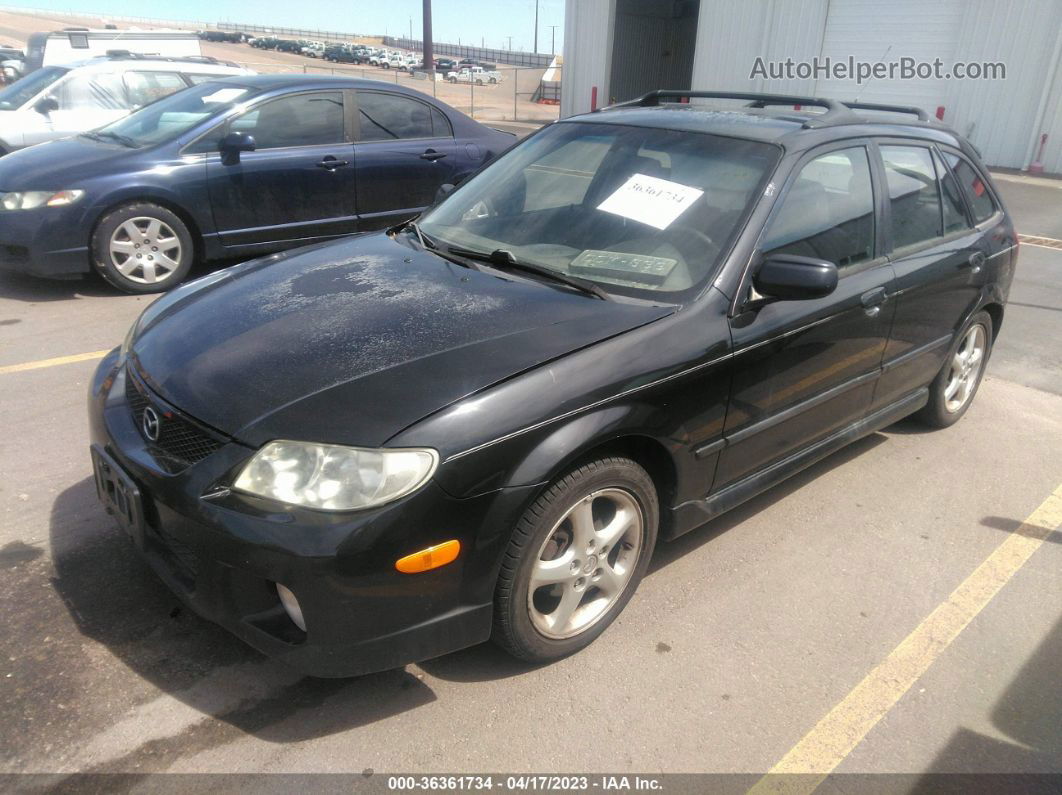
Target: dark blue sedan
[232,168]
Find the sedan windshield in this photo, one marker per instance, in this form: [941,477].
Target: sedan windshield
[640,210]
[22,91]
[176,114]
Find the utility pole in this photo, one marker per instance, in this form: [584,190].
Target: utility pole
[510,38]
[411,31]
[553,40]
[536,27]
[429,60]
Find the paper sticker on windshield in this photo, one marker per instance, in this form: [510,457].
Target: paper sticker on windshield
[225,95]
[651,200]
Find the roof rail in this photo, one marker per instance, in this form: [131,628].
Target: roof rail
[126,55]
[836,111]
[908,109]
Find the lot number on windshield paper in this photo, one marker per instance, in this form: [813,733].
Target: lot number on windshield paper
[651,200]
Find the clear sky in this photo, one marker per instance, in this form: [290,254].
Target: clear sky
[492,21]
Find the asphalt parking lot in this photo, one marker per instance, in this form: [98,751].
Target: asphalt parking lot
[895,609]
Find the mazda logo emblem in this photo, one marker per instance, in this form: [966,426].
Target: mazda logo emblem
[151,424]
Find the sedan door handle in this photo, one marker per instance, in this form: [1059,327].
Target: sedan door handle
[331,164]
[875,297]
[432,155]
[976,260]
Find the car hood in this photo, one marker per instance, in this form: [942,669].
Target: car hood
[57,165]
[351,342]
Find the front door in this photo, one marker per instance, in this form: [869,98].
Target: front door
[405,150]
[806,369]
[298,184]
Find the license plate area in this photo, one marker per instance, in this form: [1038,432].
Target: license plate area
[119,494]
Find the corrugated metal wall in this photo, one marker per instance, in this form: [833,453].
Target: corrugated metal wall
[588,26]
[1000,117]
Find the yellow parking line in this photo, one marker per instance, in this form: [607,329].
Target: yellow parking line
[823,748]
[77,357]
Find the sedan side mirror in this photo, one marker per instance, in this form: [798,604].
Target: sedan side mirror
[444,190]
[792,278]
[232,144]
[46,105]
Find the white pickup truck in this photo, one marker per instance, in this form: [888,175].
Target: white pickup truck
[475,74]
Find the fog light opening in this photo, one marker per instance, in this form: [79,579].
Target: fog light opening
[291,606]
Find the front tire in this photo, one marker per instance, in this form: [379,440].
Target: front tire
[142,248]
[953,390]
[575,560]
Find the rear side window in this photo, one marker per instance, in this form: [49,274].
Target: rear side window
[914,198]
[388,117]
[828,212]
[980,199]
[145,87]
[954,210]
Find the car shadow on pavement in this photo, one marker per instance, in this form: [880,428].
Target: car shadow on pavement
[116,600]
[34,290]
[1010,525]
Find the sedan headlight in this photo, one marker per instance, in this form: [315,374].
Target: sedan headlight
[333,477]
[30,199]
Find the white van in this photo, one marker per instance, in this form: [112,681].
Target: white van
[69,45]
[57,101]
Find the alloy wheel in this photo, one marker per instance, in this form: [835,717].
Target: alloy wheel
[145,250]
[585,563]
[966,366]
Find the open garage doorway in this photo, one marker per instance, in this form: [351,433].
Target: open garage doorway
[652,47]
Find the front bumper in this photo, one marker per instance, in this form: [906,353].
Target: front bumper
[223,555]
[46,241]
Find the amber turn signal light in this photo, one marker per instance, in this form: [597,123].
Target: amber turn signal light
[430,558]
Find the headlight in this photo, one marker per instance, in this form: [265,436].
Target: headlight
[29,199]
[335,478]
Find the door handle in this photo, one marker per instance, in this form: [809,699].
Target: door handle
[873,298]
[331,164]
[432,155]
[976,260]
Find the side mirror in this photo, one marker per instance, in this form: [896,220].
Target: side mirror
[46,105]
[232,144]
[792,278]
[444,190]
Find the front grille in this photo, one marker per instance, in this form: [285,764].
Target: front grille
[181,443]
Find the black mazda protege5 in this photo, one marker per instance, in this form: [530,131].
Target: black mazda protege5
[478,424]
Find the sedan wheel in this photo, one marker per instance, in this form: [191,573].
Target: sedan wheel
[145,250]
[585,563]
[575,559]
[966,366]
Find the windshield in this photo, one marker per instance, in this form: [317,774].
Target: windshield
[174,115]
[22,91]
[641,211]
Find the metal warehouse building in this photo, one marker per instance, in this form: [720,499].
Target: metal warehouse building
[618,49]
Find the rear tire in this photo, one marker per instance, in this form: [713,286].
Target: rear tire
[955,386]
[575,559]
[142,248]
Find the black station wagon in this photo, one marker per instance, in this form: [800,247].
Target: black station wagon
[480,423]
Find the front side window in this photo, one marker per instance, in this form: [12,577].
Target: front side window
[642,211]
[100,91]
[980,199]
[828,211]
[178,113]
[388,117]
[299,120]
[23,90]
[914,197]
[144,88]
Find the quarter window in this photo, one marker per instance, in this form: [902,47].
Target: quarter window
[954,211]
[914,199]
[300,120]
[980,199]
[828,212]
[387,117]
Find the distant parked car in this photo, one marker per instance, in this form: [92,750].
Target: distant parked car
[232,168]
[475,74]
[445,65]
[57,101]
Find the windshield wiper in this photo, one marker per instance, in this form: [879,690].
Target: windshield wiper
[503,258]
[107,135]
[425,241]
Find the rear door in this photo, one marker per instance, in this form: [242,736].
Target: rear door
[806,369]
[404,150]
[939,261]
[298,184]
